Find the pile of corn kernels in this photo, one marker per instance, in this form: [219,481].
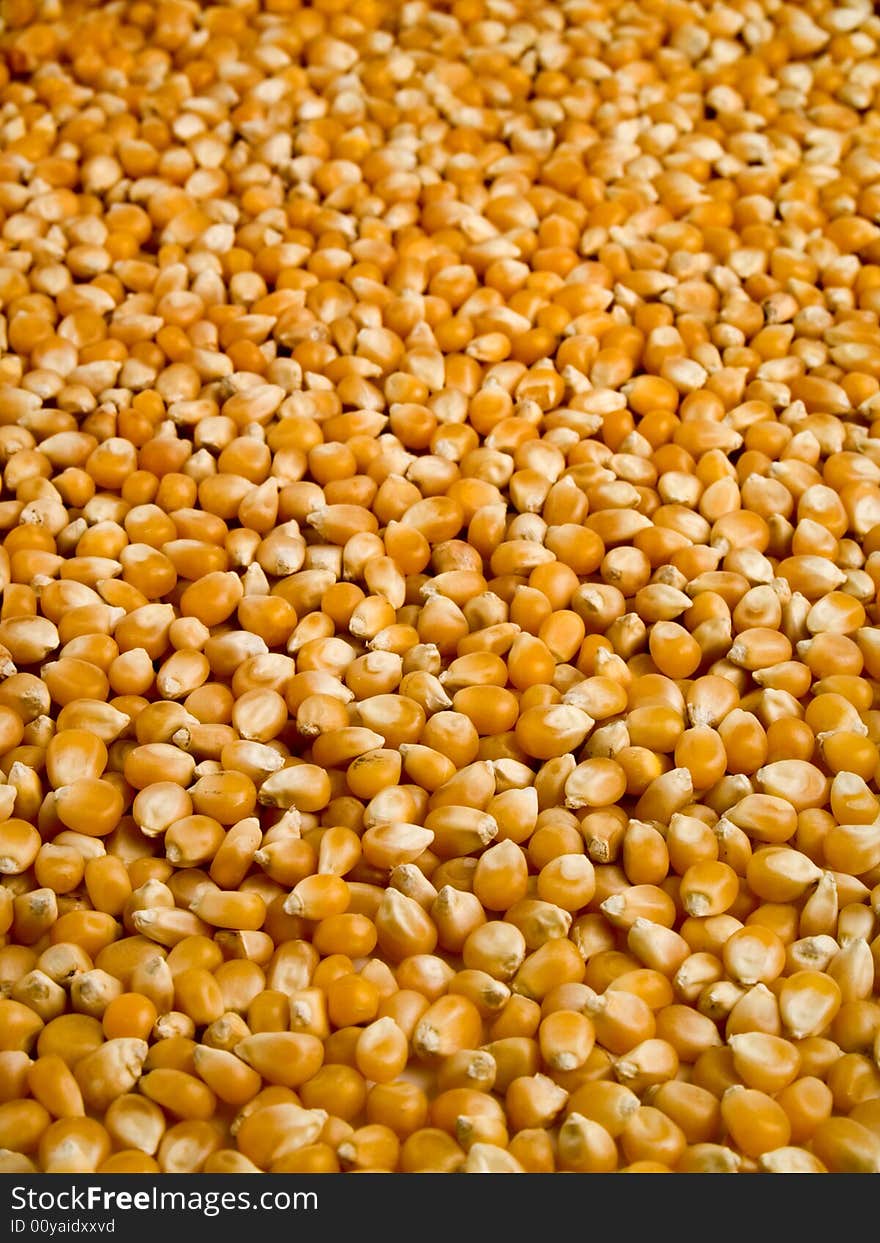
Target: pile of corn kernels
[439,644]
